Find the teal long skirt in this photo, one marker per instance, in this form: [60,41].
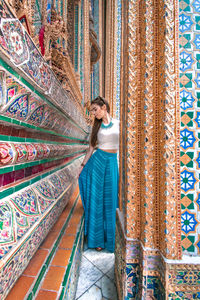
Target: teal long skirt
[98,184]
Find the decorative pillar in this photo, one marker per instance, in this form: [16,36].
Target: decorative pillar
[100,40]
[96,75]
[111,54]
[86,52]
[149,260]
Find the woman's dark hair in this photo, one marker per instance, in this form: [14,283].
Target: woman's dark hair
[97,123]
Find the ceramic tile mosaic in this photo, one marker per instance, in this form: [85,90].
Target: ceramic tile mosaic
[27,215]
[15,153]
[26,106]
[189,46]
[17,45]
[21,210]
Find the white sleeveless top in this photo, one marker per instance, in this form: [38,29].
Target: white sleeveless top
[108,138]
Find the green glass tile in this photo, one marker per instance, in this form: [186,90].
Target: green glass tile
[61,297]
[15,139]
[25,184]
[191,248]
[15,121]
[185,41]
[6,119]
[187,119]
[39,279]
[34,180]
[19,167]
[186,80]
[5,138]
[66,275]
[197,20]
[30,296]
[184,5]
[49,258]
[198,61]
[4,170]
[17,188]
[6,193]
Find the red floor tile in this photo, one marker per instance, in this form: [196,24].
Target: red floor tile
[42,295]
[20,288]
[36,263]
[67,241]
[53,279]
[61,258]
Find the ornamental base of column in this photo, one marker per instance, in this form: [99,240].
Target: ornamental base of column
[146,274]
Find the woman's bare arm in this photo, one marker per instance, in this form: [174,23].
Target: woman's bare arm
[87,157]
[88,154]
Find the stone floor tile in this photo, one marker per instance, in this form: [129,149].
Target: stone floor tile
[103,260]
[89,274]
[107,287]
[94,293]
[111,273]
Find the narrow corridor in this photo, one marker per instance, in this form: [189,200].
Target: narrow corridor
[96,280]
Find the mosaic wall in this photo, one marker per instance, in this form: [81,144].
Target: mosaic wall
[189,45]
[43,138]
[24,55]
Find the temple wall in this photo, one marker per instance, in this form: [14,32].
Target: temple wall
[43,138]
[150,263]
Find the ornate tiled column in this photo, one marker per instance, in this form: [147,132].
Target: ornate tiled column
[111,54]
[149,261]
[86,64]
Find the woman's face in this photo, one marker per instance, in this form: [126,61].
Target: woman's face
[98,111]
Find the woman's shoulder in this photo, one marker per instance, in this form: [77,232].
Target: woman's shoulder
[115,121]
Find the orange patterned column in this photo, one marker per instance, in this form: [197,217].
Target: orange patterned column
[148,128]
[86,53]
[132,111]
[111,54]
[167,32]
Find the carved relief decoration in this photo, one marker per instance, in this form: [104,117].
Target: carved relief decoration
[150,104]
[23,11]
[95,49]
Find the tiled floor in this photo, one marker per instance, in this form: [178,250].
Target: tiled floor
[96,280]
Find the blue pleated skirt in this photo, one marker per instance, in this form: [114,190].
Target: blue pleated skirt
[98,184]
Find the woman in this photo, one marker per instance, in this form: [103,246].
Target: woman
[98,180]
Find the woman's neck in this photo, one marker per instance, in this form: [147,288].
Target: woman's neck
[106,119]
